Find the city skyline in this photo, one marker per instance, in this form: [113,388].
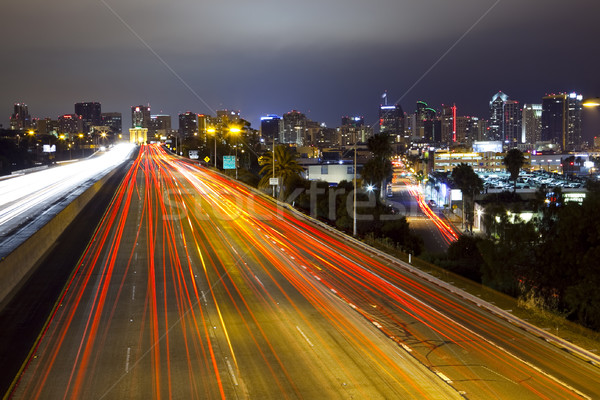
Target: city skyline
[269,58]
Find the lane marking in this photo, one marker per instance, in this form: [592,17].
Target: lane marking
[230,368]
[127,360]
[304,336]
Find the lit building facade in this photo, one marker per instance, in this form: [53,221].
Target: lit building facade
[561,120]
[70,124]
[391,121]
[20,118]
[90,113]
[114,120]
[188,124]
[496,116]
[448,124]
[140,117]
[294,127]
[531,123]
[480,162]
[271,127]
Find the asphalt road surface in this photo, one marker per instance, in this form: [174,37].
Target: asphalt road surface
[195,287]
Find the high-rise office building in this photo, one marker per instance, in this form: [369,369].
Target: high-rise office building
[90,113]
[448,124]
[531,123]
[231,116]
[271,127]
[294,128]
[353,130]
[511,123]
[114,120]
[391,121]
[70,124]
[188,124]
[505,120]
[160,125]
[20,118]
[561,120]
[140,117]
[423,113]
[496,116]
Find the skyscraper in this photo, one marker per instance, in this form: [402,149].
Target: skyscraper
[561,120]
[20,118]
[423,113]
[496,116]
[90,113]
[448,124]
[531,125]
[140,117]
[352,130]
[294,128]
[505,120]
[391,121]
[270,128]
[70,124]
[511,123]
[114,120]
[188,124]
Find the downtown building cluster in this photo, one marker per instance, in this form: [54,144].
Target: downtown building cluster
[87,118]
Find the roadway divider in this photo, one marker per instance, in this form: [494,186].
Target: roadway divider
[17,266]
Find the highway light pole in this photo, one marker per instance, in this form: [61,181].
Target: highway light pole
[354,195]
[213,132]
[236,131]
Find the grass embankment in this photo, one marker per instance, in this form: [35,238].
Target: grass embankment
[525,309]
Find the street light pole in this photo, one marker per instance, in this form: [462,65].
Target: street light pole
[213,132]
[236,131]
[354,195]
[273,164]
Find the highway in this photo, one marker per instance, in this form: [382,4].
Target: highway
[24,199]
[425,221]
[195,287]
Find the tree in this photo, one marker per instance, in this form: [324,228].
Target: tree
[469,184]
[513,161]
[379,167]
[286,167]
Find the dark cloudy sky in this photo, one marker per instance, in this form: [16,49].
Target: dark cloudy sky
[326,58]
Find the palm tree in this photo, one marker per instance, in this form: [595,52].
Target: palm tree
[285,165]
[513,161]
[469,184]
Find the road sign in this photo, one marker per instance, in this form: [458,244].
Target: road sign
[206,159]
[228,162]
[194,154]
[274,181]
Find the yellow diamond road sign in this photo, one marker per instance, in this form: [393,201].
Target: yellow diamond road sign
[206,159]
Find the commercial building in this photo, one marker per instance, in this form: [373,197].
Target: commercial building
[188,124]
[140,117]
[20,118]
[114,120]
[294,128]
[531,125]
[561,120]
[480,162]
[391,121]
[505,120]
[90,113]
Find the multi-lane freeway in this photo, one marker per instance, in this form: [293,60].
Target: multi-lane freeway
[196,287]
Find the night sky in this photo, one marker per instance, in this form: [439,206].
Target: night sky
[326,58]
